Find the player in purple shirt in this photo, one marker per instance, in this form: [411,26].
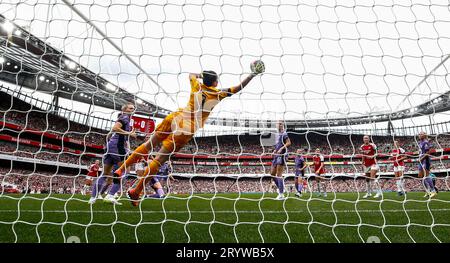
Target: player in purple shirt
[300,166]
[279,159]
[116,149]
[425,165]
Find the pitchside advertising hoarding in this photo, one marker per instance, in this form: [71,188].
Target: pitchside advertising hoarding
[142,124]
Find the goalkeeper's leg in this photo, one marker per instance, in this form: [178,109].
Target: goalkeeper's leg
[150,171]
[137,154]
[162,132]
[170,145]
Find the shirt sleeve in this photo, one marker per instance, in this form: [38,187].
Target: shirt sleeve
[321,158]
[227,92]
[124,120]
[285,137]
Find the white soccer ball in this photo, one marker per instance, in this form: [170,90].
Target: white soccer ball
[257,67]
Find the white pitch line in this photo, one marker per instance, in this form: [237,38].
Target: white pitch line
[226,211]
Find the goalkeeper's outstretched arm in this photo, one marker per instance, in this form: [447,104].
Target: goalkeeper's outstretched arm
[255,71]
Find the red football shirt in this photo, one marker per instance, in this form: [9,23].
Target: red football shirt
[396,155]
[369,149]
[318,160]
[93,170]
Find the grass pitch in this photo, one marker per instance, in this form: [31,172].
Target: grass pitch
[341,217]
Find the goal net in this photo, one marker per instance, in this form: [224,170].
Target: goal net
[334,72]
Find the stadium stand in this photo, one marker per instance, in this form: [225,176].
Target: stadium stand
[30,133]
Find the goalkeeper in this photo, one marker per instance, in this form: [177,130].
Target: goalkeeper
[179,127]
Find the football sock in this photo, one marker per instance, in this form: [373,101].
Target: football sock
[399,185]
[104,188]
[133,158]
[281,185]
[299,188]
[115,188]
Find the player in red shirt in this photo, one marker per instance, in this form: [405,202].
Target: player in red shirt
[398,158]
[92,173]
[319,170]
[370,166]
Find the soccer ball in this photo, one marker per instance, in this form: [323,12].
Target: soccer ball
[257,67]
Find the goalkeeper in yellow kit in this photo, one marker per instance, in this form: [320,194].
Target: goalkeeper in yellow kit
[178,128]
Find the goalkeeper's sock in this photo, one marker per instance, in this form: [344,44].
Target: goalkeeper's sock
[318,187]
[151,169]
[133,158]
[99,184]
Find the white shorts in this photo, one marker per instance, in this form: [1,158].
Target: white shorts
[367,169]
[399,169]
[90,178]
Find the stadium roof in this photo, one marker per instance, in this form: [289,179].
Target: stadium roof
[436,105]
[29,62]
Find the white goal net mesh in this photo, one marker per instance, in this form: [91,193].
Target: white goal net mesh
[335,71]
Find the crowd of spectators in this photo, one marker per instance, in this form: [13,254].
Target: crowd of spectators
[40,181]
[264,184]
[44,154]
[56,125]
[330,143]
[27,181]
[261,169]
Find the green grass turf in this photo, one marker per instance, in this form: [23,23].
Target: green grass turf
[227,218]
